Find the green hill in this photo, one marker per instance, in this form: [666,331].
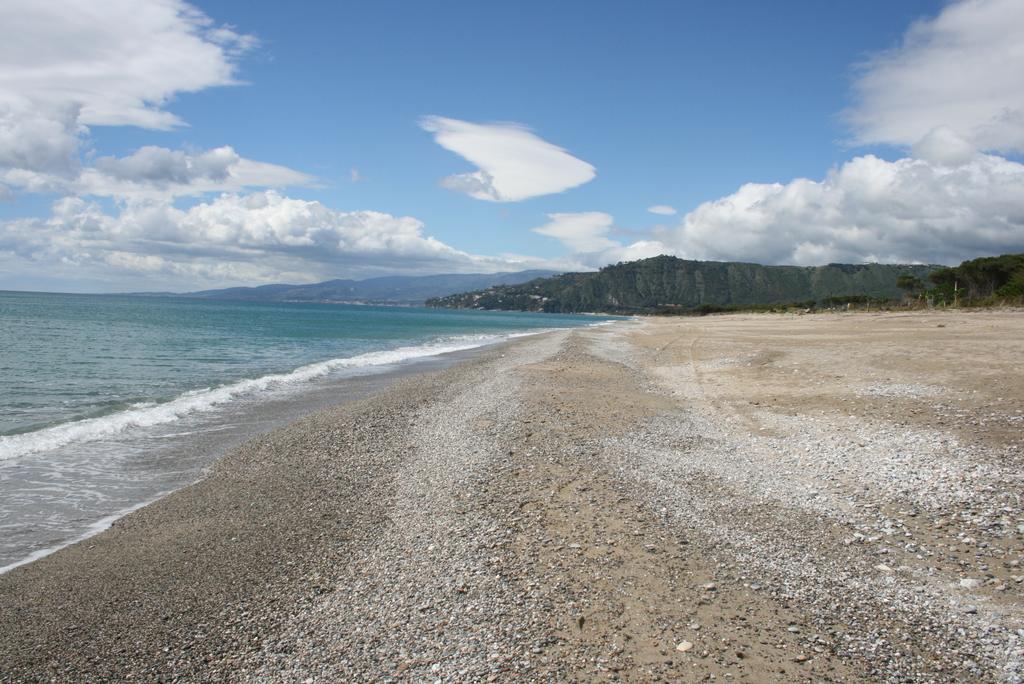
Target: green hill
[979,281]
[667,282]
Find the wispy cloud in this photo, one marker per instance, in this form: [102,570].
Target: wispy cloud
[662,210]
[963,70]
[119,66]
[155,172]
[512,162]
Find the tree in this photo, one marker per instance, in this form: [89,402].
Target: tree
[911,284]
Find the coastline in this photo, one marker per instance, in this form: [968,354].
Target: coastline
[263,418]
[790,496]
[188,574]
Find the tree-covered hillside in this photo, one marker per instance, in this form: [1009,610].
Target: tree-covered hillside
[667,282]
[980,279]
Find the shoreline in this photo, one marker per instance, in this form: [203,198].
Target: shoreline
[276,414]
[98,527]
[826,498]
[161,554]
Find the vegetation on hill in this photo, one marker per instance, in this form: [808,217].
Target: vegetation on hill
[979,281]
[666,283]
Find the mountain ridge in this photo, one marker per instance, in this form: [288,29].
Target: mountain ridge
[408,290]
[667,282]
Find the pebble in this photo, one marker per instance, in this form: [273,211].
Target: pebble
[435,582]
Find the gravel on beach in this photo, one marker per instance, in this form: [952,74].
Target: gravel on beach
[759,498]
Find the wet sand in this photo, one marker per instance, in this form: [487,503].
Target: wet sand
[755,497]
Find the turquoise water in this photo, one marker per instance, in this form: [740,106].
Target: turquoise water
[109,401]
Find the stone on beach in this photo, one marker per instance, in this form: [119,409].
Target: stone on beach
[521,517]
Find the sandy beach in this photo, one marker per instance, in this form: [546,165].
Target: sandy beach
[829,497]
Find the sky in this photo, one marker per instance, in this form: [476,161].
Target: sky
[163,145]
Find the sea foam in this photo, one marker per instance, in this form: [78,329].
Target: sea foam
[148,414]
[92,530]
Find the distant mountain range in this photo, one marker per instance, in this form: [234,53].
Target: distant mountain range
[667,283]
[409,290]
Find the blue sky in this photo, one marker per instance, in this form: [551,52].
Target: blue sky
[715,109]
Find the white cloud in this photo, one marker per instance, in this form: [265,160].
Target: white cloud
[120,61]
[582,232]
[953,87]
[641,249]
[513,163]
[161,166]
[943,147]
[869,209]
[65,66]
[963,70]
[233,239]
[662,210]
[155,172]
[38,138]
[586,234]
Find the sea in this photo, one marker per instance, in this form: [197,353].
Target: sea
[108,402]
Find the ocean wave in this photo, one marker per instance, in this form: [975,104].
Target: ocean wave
[148,414]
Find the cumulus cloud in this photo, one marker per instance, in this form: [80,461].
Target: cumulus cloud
[38,139]
[943,147]
[582,231]
[662,210]
[962,70]
[869,209]
[953,88]
[74,64]
[512,162]
[586,234]
[233,239]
